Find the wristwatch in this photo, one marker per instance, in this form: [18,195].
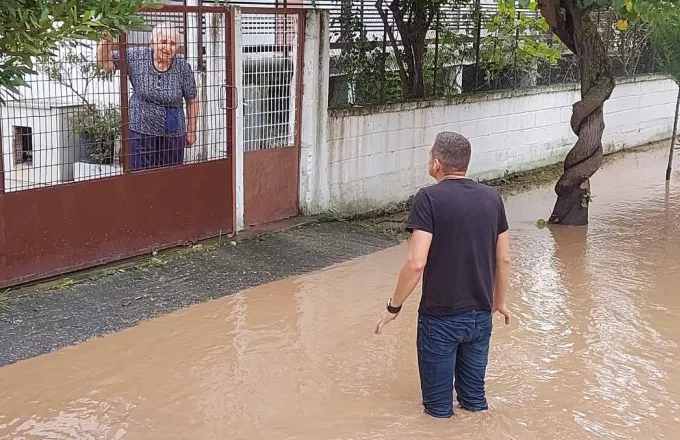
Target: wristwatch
[392,310]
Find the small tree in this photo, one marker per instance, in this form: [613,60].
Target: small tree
[369,75]
[32,29]
[573,22]
[413,19]
[666,41]
[414,28]
[446,62]
[513,44]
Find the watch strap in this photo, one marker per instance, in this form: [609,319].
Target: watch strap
[391,309]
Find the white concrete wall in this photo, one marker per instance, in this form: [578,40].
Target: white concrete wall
[377,156]
[239,203]
[315,162]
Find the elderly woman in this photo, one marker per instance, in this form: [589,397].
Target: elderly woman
[162,82]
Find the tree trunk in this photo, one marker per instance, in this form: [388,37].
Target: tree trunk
[418,79]
[669,170]
[346,25]
[412,19]
[577,30]
[423,14]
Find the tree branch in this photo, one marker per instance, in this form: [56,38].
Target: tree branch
[560,25]
[405,33]
[393,42]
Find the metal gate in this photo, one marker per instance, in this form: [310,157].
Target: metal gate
[272,53]
[72,191]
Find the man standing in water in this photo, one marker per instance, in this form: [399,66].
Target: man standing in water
[460,245]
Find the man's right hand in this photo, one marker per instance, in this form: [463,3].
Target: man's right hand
[387,318]
[503,310]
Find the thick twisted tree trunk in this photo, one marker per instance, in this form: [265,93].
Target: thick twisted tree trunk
[579,33]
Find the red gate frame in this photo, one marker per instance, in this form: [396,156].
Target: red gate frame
[266,178]
[57,229]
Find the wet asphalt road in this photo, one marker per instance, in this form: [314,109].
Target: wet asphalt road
[37,324]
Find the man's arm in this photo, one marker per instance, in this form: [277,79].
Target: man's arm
[413,268]
[410,273]
[503,263]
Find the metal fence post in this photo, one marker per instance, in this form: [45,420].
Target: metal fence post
[478,39]
[124,102]
[2,159]
[436,56]
[514,54]
[383,73]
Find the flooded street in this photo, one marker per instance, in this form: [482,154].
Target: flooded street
[592,353]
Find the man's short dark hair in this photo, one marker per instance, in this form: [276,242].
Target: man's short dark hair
[452,150]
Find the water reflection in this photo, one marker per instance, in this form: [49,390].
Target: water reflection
[593,352]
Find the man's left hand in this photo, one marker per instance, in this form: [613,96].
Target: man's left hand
[388,317]
[191,138]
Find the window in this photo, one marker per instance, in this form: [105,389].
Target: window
[23,145]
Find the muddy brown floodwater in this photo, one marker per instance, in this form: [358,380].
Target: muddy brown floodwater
[593,351]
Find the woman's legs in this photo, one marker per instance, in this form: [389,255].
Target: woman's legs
[170,150]
[142,149]
[155,151]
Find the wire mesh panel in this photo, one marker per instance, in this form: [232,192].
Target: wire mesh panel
[98,169]
[64,121]
[272,45]
[73,119]
[177,105]
[270,53]
[471,46]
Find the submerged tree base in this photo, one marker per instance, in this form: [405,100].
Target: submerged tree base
[571,208]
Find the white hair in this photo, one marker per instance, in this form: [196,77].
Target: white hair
[164,27]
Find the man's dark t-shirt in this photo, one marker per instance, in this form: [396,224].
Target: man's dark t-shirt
[465,219]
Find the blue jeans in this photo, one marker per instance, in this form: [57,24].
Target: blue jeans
[449,347]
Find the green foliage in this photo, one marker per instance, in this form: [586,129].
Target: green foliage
[642,10]
[629,10]
[454,49]
[665,36]
[100,128]
[372,74]
[30,30]
[369,71]
[630,48]
[4,301]
[370,67]
[513,42]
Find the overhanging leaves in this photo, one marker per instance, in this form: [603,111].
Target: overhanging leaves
[32,29]
[666,40]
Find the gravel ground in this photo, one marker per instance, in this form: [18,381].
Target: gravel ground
[39,323]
